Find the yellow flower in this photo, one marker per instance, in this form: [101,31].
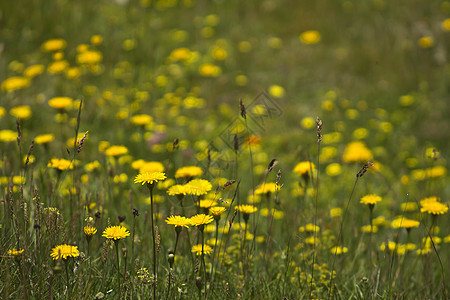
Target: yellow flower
[44,138]
[207,203]
[197,249]
[33,71]
[209,70]
[310,37]
[304,168]
[338,250]
[276,91]
[268,187]
[89,57]
[434,208]
[357,152]
[426,42]
[309,228]
[96,39]
[116,150]
[60,103]
[336,212]
[64,251]
[404,223]
[53,45]
[308,123]
[7,135]
[15,252]
[246,209]
[60,164]
[115,232]
[57,67]
[188,171]
[390,245]
[368,228]
[15,83]
[333,169]
[177,189]
[89,230]
[151,166]
[217,210]
[428,200]
[178,221]
[180,54]
[408,206]
[141,120]
[201,219]
[198,187]
[21,112]
[370,199]
[149,178]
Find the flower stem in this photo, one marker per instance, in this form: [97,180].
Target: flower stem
[116,242]
[154,241]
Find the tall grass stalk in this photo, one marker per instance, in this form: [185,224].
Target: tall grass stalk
[340,238]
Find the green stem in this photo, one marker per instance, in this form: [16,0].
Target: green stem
[116,242]
[154,242]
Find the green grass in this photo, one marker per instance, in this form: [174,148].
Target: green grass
[370,78]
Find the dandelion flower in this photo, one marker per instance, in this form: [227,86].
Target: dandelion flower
[357,152]
[370,199]
[434,208]
[268,187]
[89,230]
[44,138]
[304,168]
[178,221]
[177,189]
[188,171]
[115,232]
[60,103]
[64,251]
[151,166]
[7,135]
[201,219]
[338,250]
[217,210]
[116,150]
[21,112]
[207,203]
[405,223]
[53,45]
[310,37]
[15,252]
[149,178]
[198,187]
[428,200]
[15,83]
[60,164]
[197,249]
[246,209]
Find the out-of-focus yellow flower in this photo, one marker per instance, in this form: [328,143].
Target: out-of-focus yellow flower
[426,42]
[96,40]
[333,169]
[21,112]
[7,135]
[335,212]
[357,152]
[276,91]
[141,119]
[15,83]
[244,46]
[308,122]
[310,37]
[209,70]
[180,54]
[53,45]
[33,71]
[61,103]
[151,166]
[89,57]
[58,67]
[275,42]
[116,150]
[44,138]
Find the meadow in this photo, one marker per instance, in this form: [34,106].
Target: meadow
[184,149]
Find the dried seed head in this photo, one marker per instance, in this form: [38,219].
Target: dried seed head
[235,143]
[271,165]
[29,153]
[228,183]
[135,212]
[319,129]
[364,169]
[80,144]
[175,144]
[278,177]
[19,132]
[242,107]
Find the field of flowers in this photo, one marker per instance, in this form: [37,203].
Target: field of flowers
[184,149]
